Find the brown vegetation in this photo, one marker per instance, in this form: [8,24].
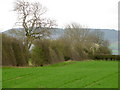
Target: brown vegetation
[76,43]
[14,52]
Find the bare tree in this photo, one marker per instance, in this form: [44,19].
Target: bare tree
[30,18]
[76,33]
[77,38]
[97,37]
[82,41]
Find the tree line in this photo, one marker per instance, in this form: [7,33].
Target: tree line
[76,43]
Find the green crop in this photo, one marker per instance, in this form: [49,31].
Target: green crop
[69,74]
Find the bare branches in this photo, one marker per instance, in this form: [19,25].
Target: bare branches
[76,32]
[30,18]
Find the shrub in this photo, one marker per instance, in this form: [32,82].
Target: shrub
[107,57]
[46,52]
[103,50]
[14,52]
[57,49]
[40,53]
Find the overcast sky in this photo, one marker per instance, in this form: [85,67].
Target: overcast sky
[91,13]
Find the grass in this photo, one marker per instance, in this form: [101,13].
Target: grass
[74,74]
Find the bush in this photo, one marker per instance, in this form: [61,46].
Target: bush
[107,57]
[14,52]
[37,56]
[57,54]
[46,52]
[40,53]
[103,50]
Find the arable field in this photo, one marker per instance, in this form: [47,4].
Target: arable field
[70,74]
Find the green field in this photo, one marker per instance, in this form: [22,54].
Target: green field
[72,74]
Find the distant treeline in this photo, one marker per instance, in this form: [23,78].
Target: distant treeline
[76,43]
[33,45]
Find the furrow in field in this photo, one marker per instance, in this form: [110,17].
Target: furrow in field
[97,81]
[18,77]
[71,81]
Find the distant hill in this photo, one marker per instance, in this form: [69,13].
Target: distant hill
[109,34]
